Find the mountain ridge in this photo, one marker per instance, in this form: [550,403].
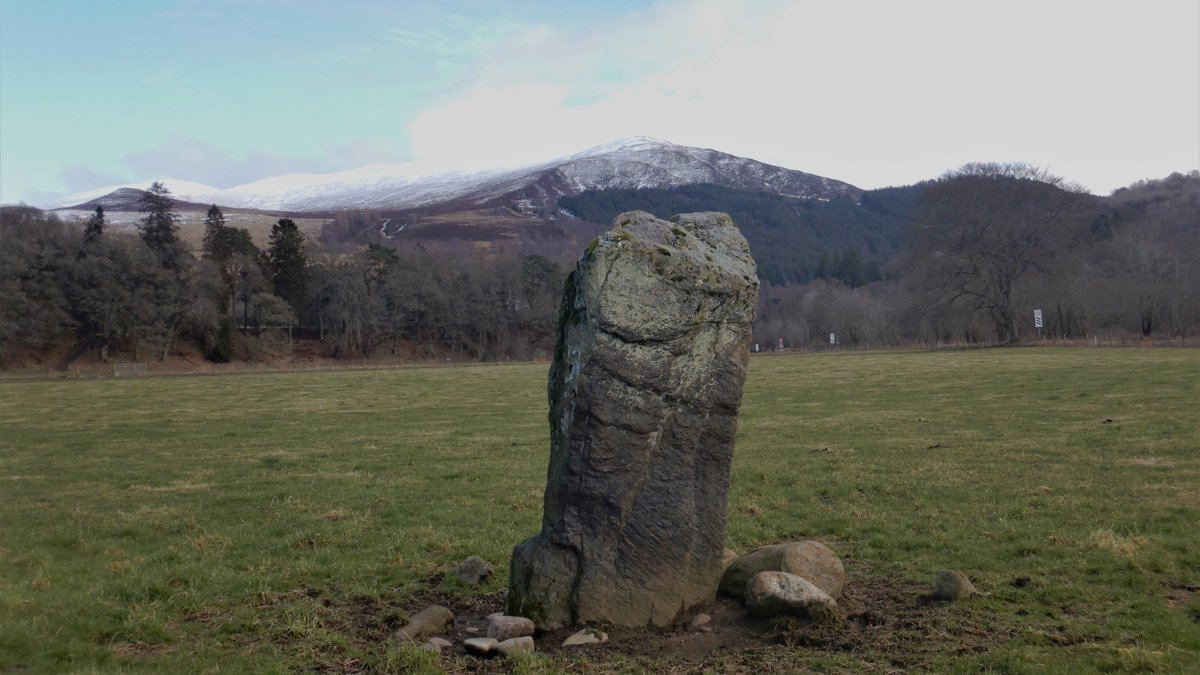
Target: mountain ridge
[532,190]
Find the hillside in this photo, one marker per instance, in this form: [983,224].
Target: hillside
[406,206]
[789,236]
[529,191]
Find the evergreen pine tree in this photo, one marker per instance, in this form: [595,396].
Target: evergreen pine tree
[824,267]
[94,229]
[160,227]
[288,263]
[850,268]
[214,226]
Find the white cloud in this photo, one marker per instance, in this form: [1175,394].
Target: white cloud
[197,160]
[875,93]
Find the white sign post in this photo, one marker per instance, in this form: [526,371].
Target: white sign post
[833,338]
[1037,322]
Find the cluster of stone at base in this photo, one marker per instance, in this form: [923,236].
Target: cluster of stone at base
[802,579]
[798,578]
[806,579]
[506,635]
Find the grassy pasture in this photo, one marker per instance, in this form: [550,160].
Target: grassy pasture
[281,522]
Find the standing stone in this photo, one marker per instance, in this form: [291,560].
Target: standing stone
[653,343]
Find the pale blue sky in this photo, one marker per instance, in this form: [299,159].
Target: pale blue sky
[223,92]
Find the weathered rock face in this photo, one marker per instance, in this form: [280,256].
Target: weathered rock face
[644,389]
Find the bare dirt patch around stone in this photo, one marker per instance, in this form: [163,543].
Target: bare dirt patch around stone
[882,624]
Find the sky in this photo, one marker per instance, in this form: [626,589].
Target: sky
[871,92]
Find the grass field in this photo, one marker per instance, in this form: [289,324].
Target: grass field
[282,522]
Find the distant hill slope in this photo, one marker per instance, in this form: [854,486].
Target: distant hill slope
[129,200]
[515,209]
[530,191]
[1171,203]
[788,236]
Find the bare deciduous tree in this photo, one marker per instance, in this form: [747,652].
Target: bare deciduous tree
[978,230]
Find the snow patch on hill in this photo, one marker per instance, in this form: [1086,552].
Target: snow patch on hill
[185,190]
[637,162]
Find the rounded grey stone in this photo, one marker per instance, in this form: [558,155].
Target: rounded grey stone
[774,593]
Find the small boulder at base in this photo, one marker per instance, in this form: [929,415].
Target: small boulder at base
[429,621]
[780,594]
[951,585]
[472,571]
[437,645]
[517,645]
[587,636]
[504,627]
[809,559]
[480,646]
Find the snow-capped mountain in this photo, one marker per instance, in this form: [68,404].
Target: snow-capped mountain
[631,163]
[119,197]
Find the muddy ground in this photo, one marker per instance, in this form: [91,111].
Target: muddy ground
[885,626]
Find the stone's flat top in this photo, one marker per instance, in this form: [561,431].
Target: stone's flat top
[655,274]
[703,238]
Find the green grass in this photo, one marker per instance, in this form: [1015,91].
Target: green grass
[280,522]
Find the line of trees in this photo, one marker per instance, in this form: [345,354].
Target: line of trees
[980,248]
[989,243]
[94,289]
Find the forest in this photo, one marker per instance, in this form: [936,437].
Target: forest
[794,240]
[145,295]
[963,259]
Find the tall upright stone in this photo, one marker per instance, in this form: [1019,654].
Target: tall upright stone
[653,343]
